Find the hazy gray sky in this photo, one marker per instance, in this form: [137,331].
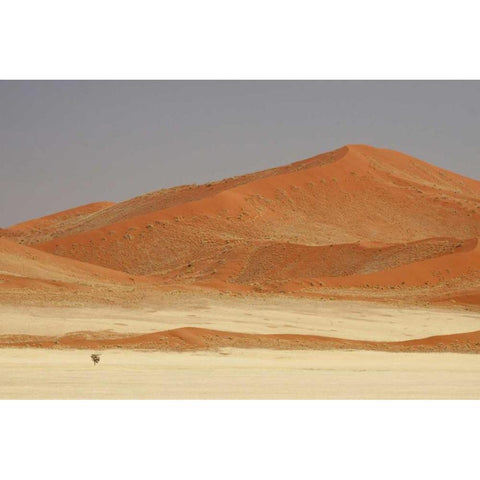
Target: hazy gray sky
[67,143]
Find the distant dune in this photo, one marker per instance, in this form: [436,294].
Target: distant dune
[359,222]
[50,226]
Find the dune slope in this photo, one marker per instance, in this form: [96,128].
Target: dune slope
[48,227]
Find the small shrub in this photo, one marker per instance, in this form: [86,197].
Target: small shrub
[95,358]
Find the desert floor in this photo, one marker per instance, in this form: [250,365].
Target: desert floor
[229,373]
[237,374]
[345,319]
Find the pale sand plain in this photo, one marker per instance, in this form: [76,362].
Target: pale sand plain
[275,315]
[30,373]
[237,374]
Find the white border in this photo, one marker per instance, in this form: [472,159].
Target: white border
[252,39]
[239,440]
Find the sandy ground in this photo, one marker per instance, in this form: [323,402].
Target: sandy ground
[237,374]
[352,320]
[241,373]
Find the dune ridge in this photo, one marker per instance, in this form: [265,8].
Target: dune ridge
[193,338]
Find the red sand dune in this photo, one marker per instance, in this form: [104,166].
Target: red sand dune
[355,218]
[191,338]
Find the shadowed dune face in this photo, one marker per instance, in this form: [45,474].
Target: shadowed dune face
[21,261]
[28,275]
[355,218]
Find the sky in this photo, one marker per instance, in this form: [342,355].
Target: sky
[69,143]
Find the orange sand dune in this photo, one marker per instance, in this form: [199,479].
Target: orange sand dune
[171,197]
[191,338]
[357,217]
[354,193]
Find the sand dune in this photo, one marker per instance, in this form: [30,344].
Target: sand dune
[190,338]
[356,217]
[358,222]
